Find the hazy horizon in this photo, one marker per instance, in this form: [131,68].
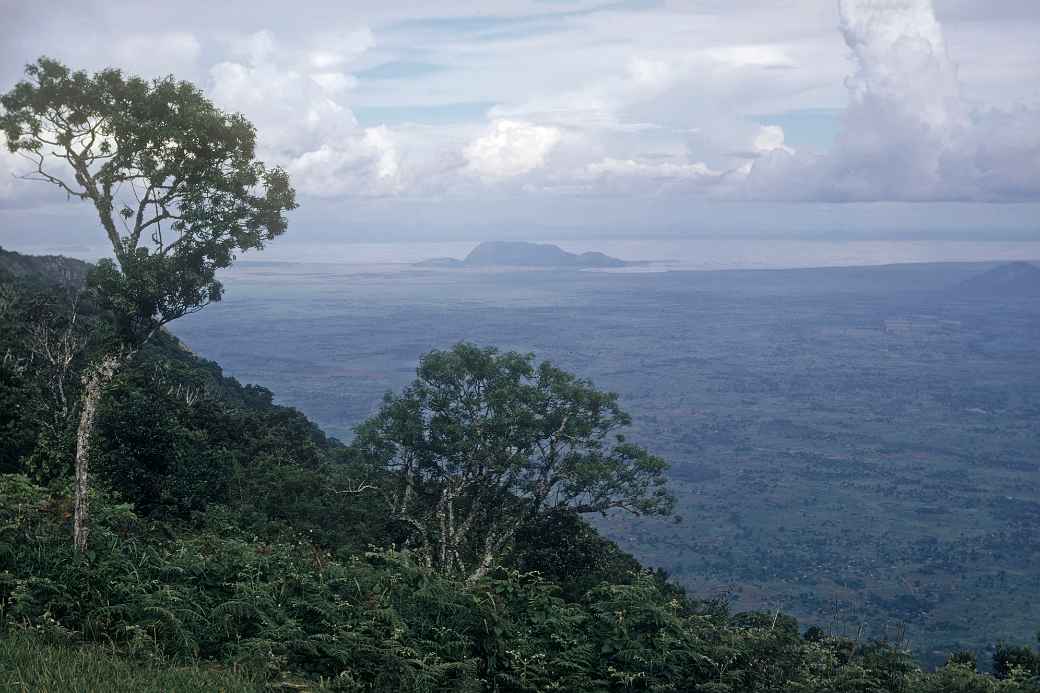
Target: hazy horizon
[662,255]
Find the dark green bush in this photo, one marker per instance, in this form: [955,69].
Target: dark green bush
[378,622]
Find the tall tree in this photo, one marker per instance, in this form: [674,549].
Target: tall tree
[176,187]
[483,442]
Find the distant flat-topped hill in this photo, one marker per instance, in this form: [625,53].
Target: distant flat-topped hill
[1012,280]
[522,254]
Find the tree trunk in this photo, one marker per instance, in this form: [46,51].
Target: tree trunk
[97,376]
[493,547]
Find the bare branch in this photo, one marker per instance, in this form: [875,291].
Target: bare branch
[354,489]
[45,177]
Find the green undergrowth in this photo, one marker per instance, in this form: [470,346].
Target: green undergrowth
[179,601]
[30,663]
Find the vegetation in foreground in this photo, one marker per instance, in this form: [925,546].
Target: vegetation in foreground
[294,612]
[33,662]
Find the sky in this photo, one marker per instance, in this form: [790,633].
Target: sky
[536,119]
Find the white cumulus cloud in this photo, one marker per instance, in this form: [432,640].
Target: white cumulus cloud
[770,138]
[908,134]
[641,177]
[363,165]
[334,82]
[510,148]
[335,49]
[295,99]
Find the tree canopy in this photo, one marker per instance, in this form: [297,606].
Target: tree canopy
[174,181]
[483,442]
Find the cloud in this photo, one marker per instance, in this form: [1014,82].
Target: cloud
[335,49]
[650,73]
[641,177]
[295,98]
[256,48]
[293,105]
[666,100]
[759,55]
[770,138]
[510,148]
[10,167]
[158,54]
[334,82]
[908,134]
[363,165]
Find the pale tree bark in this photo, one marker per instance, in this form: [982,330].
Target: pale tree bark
[96,378]
[494,545]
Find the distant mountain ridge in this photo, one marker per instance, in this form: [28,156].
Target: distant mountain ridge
[524,254]
[52,269]
[1011,280]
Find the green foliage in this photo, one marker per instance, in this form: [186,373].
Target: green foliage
[380,622]
[44,341]
[958,678]
[482,443]
[192,162]
[17,430]
[30,661]
[1010,661]
[199,196]
[568,552]
[177,436]
[152,454]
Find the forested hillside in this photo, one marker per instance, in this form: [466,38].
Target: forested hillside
[235,546]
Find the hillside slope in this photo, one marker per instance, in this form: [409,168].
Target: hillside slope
[230,532]
[1010,281]
[46,269]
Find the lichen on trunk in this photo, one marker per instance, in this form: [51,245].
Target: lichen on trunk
[96,378]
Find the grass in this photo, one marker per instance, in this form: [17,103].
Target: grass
[29,663]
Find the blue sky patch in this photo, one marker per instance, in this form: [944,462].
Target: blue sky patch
[400,69]
[810,128]
[440,114]
[535,23]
